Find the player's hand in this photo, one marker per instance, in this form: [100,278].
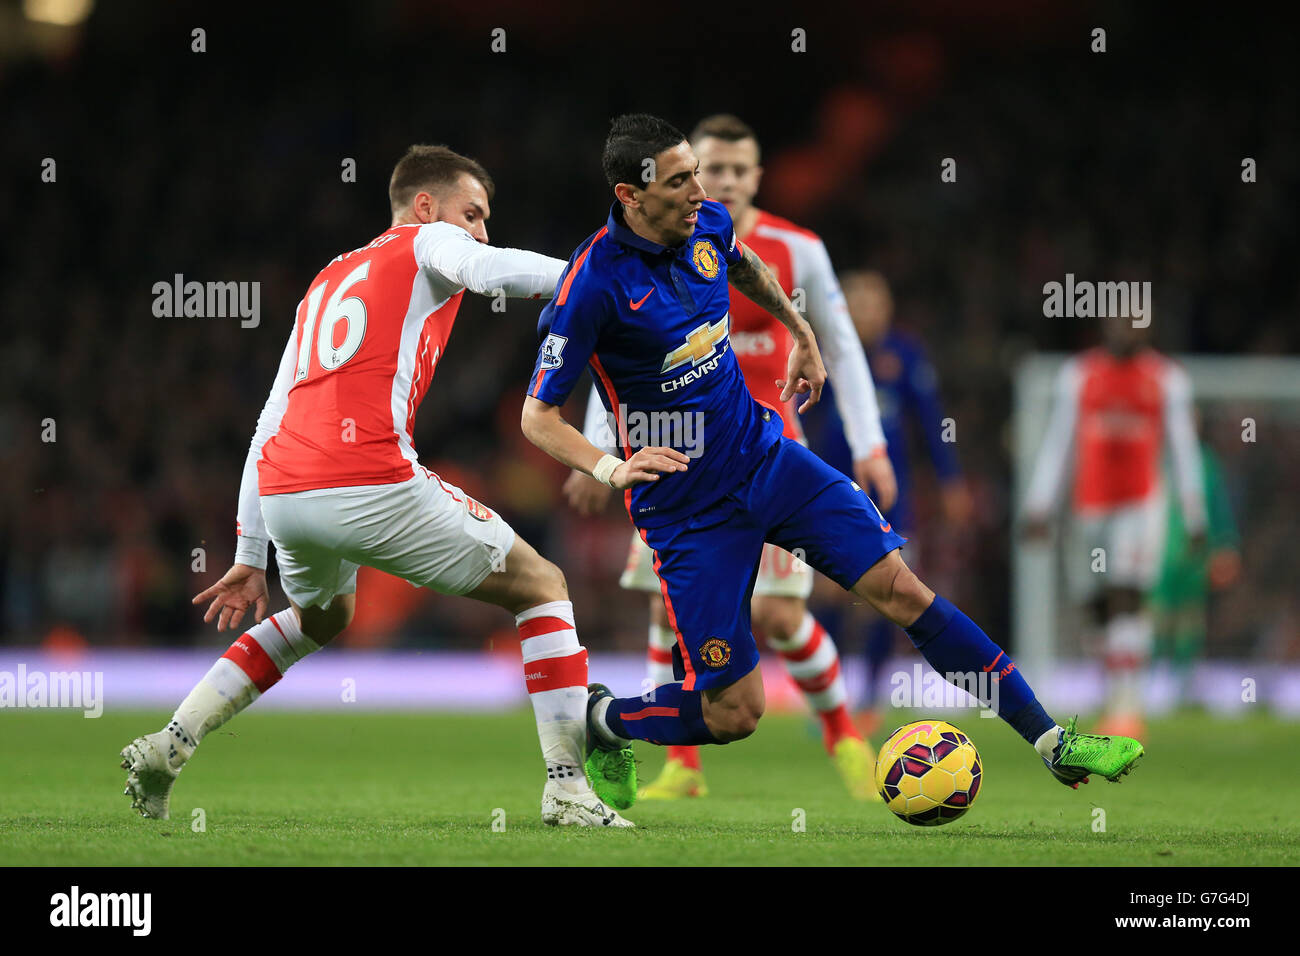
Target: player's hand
[876,476]
[956,503]
[647,465]
[239,589]
[585,494]
[804,373]
[1036,528]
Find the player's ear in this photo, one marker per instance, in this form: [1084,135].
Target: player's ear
[627,194]
[425,206]
[758,176]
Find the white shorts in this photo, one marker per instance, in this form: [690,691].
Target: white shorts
[424,530]
[780,573]
[1131,537]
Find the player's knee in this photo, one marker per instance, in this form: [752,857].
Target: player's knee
[737,718]
[911,593]
[895,591]
[778,618]
[736,723]
[322,625]
[549,583]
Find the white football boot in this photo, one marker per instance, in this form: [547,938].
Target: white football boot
[154,762]
[567,808]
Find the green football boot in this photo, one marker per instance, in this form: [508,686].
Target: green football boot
[1077,755]
[611,769]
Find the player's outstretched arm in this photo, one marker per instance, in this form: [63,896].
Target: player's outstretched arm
[543,425]
[846,363]
[244,585]
[585,494]
[804,371]
[448,251]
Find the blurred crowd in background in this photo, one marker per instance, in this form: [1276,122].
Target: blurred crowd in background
[227,166]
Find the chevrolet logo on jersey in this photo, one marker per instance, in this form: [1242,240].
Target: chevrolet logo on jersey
[700,344]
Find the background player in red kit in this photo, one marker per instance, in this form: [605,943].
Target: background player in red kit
[333,479]
[1115,407]
[728,153]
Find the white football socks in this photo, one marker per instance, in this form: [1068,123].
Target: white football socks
[555,673]
[254,663]
[1046,744]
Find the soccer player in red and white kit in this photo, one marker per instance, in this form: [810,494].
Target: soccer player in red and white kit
[1115,408]
[728,152]
[332,478]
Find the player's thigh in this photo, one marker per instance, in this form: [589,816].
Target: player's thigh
[434,535]
[782,574]
[1137,537]
[778,617]
[839,531]
[781,593]
[707,568]
[525,579]
[310,546]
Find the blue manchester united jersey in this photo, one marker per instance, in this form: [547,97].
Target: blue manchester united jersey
[652,324]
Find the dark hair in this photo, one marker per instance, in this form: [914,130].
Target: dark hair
[723,126]
[430,168]
[633,138]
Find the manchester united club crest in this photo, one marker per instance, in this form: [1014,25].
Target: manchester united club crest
[715,653]
[477,510]
[705,258]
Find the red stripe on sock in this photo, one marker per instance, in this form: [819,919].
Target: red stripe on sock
[688,756]
[248,656]
[809,649]
[651,712]
[282,635]
[543,625]
[553,673]
[836,725]
[659,656]
[819,682]
[1123,661]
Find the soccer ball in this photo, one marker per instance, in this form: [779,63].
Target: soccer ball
[928,773]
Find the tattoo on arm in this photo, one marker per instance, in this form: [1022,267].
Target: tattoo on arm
[755,279]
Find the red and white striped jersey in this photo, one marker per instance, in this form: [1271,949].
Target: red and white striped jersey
[798,259]
[366,340]
[1114,414]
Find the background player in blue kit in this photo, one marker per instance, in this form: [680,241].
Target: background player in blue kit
[644,303]
[907,391]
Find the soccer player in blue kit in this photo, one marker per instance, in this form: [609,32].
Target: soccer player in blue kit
[644,303]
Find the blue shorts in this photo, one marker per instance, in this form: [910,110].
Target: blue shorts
[707,562]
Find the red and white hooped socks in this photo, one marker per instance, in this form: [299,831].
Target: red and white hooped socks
[254,663]
[555,673]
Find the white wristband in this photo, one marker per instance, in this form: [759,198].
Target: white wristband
[604,469]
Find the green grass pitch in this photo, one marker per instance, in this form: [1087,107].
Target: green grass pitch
[425,789]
